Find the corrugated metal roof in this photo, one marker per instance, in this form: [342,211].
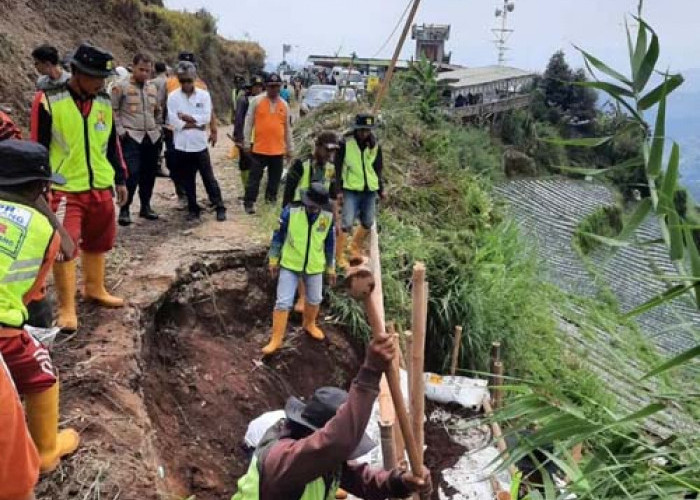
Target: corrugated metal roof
[470,77]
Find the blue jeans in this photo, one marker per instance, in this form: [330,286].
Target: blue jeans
[358,204]
[287,287]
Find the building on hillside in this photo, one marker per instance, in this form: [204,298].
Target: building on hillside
[487,90]
[430,42]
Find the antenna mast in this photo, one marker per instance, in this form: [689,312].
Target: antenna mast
[503,33]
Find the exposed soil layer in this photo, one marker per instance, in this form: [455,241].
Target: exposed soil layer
[205,379]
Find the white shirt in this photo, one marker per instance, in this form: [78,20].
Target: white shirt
[198,106]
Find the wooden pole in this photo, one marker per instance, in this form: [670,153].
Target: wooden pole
[498,434]
[374,306]
[455,349]
[497,384]
[399,445]
[418,327]
[495,352]
[390,72]
[386,433]
[408,352]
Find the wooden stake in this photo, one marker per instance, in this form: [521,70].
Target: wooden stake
[386,433]
[408,353]
[495,352]
[497,434]
[399,445]
[390,72]
[497,383]
[455,349]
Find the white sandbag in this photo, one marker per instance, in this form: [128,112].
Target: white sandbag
[467,392]
[259,426]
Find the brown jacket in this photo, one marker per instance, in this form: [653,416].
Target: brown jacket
[291,464]
[137,111]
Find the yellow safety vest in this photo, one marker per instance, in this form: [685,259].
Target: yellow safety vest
[325,176]
[78,149]
[358,167]
[304,246]
[25,235]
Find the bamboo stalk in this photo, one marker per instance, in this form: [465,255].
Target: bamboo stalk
[498,434]
[495,352]
[399,445]
[386,433]
[455,349]
[416,381]
[390,72]
[408,350]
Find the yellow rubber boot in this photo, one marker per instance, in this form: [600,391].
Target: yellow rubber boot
[357,245]
[301,288]
[310,317]
[279,327]
[64,281]
[340,258]
[94,278]
[42,420]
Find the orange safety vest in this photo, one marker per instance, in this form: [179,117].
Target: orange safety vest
[269,128]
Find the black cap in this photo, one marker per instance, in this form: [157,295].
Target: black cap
[93,61]
[25,161]
[365,120]
[273,79]
[186,56]
[315,196]
[256,80]
[320,409]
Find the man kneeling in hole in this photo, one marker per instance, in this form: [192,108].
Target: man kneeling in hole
[308,455]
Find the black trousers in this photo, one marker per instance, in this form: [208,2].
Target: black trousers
[170,159]
[186,165]
[142,162]
[274,166]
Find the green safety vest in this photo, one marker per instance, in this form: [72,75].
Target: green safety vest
[249,485]
[324,175]
[78,149]
[304,246]
[25,235]
[358,167]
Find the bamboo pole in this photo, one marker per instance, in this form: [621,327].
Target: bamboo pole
[418,327]
[495,352]
[399,445]
[408,349]
[390,72]
[498,434]
[386,433]
[455,349]
[374,305]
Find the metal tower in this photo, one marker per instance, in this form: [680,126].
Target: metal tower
[503,32]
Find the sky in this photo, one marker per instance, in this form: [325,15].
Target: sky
[541,27]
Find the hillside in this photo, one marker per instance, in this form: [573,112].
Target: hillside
[123,27]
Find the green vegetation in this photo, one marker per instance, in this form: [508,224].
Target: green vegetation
[605,222]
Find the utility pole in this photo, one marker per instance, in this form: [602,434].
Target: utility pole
[390,72]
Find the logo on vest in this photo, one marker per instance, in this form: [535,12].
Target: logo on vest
[101,124]
[14,222]
[322,224]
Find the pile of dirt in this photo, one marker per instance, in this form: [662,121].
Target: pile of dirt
[124,27]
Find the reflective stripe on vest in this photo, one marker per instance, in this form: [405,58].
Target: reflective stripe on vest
[304,247]
[25,234]
[324,175]
[78,149]
[249,486]
[358,168]
[270,127]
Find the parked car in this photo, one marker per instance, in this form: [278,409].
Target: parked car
[317,95]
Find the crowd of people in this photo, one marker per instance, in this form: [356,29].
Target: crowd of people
[96,140]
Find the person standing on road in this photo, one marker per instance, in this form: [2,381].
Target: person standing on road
[303,248]
[317,168]
[47,65]
[308,455]
[268,115]
[136,110]
[252,90]
[359,174]
[285,93]
[189,112]
[28,247]
[75,123]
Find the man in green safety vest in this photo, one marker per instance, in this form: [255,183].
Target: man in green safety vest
[303,248]
[29,244]
[308,455]
[317,168]
[75,123]
[359,174]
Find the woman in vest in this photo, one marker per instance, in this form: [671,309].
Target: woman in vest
[308,455]
[303,248]
[359,175]
[29,243]
[317,168]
